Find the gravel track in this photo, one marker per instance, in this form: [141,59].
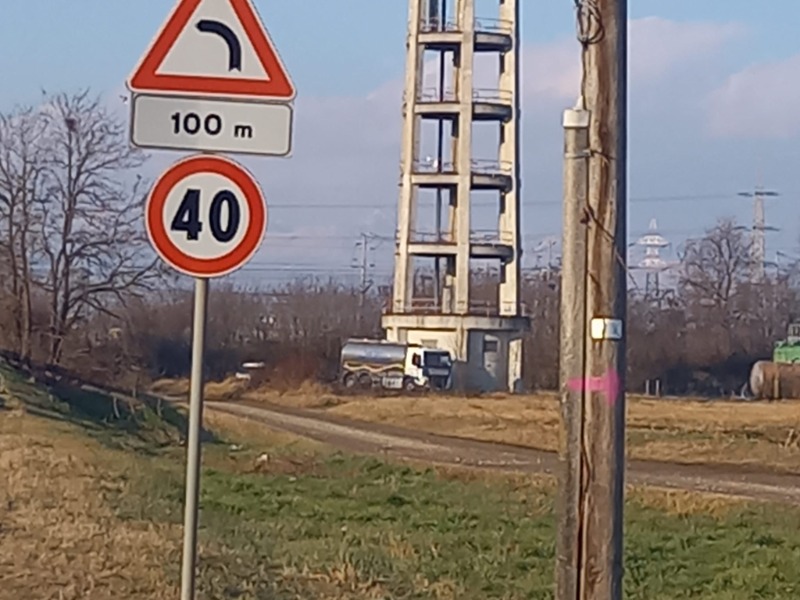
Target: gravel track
[399,443]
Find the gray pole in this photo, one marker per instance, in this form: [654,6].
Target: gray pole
[592,570]
[573,346]
[190,519]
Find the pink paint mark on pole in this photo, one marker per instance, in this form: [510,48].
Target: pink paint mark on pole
[607,384]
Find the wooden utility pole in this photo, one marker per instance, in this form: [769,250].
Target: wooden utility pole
[594,289]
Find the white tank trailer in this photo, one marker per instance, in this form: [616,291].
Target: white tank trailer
[368,363]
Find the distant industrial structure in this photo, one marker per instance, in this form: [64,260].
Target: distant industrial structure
[760,227]
[653,263]
[486,340]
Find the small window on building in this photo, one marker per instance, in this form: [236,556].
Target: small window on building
[489,346]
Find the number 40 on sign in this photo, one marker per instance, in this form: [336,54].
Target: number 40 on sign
[188,216]
[206,216]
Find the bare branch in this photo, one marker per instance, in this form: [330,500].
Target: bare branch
[93,247]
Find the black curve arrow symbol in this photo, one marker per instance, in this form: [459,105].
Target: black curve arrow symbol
[227,34]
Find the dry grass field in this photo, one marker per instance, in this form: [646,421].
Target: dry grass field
[92,490]
[59,538]
[671,430]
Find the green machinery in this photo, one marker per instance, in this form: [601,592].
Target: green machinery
[788,350]
[779,378]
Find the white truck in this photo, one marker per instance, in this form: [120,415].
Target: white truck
[370,363]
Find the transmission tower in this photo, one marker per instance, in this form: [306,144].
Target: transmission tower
[759,243]
[364,264]
[486,340]
[653,264]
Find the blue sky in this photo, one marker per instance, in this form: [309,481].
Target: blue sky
[96,42]
[346,58]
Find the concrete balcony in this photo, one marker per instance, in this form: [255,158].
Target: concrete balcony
[492,105]
[491,245]
[431,245]
[427,313]
[440,35]
[479,308]
[434,175]
[484,175]
[492,175]
[483,245]
[494,35]
[491,35]
[487,105]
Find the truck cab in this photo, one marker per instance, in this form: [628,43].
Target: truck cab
[428,368]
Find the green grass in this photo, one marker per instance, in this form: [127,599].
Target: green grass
[315,524]
[398,532]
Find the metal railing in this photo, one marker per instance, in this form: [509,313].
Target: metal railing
[482,25]
[438,26]
[430,95]
[491,237]
[431,237]
[478,166]
[483,308]
[492,167]
[447,167]
[493,96]
[487,237]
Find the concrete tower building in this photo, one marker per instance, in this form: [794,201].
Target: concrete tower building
[440,117]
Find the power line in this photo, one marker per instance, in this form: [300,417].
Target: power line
[348,239]
[529,203]
[320,267]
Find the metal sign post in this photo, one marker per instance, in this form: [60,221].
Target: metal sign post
[191,508]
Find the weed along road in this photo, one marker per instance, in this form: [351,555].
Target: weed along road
[404,444]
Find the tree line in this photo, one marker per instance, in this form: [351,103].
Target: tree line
[80,286]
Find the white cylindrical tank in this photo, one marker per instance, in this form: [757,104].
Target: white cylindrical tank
[373,352]
[775,381]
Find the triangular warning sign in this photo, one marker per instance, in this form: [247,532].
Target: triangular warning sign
[213,48]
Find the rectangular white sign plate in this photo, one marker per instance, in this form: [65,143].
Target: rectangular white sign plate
[606,329]
[205,125]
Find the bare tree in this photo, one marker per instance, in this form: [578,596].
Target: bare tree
[22,170]
[94,249]
[716,265]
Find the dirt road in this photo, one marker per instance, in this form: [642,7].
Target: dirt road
[400,443]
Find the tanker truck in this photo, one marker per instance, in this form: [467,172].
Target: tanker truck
[369,363]
[780,377]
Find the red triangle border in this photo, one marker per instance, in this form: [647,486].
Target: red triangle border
[146,78]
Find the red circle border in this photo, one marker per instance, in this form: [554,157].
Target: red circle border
[172,254]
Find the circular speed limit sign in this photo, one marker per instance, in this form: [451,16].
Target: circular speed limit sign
[206,216]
